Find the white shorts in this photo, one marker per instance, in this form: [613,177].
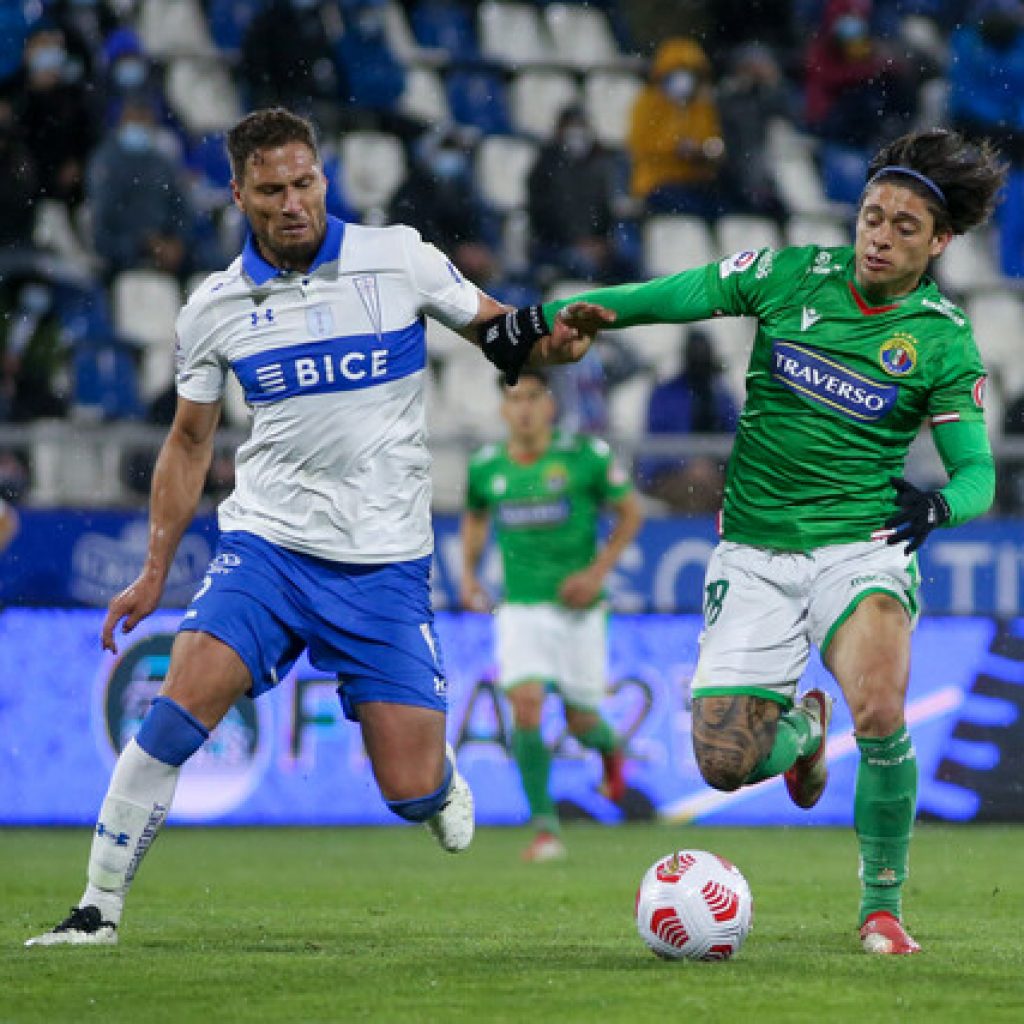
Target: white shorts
[763,609]
[563,647]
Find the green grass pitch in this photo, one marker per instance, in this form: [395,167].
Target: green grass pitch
[303,925]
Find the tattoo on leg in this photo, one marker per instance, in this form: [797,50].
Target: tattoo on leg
[732,734]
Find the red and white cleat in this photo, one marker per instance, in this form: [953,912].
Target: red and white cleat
[883,933]
[545,846]
[806,780]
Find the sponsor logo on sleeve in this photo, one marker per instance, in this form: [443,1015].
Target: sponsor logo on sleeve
[736,263]
[830,384]
[898,355]
[978,391]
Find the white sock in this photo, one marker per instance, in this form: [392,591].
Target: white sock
[136,805]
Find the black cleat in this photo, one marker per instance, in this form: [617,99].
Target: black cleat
[84,926]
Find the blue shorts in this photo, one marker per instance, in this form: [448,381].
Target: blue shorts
[370,625]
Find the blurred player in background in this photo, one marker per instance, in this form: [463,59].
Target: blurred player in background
[856,348]
[326,540]
[545,492]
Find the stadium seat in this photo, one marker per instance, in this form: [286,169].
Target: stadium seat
[146,305]
[608,97]
[672,243]
[440,25]
[657,345]
[203,95]
[968,265]
[53,231]
[817,229]
[791,153]
[479,99]
[424,96]
[739,231]
[503,164]
[538,97]
[398,33]
[998,321]
[228,21]
[627,407]
[372,167]
[733,336]
[174,28]
[580,35]
[512,34]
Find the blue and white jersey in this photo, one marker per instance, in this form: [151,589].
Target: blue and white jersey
[332,363]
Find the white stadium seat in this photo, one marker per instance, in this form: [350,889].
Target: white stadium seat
[502,167]
[400,39]
[998,322]
[174,28]
[673,243]
[538,97]
[817,229]
[424,96]
[202,95]
[968,265]
[146,305]
[580,35]
[739,231]
[372,168]
[512,33]
[608,97]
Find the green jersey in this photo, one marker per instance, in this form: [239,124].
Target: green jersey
[545,513]
[837,388]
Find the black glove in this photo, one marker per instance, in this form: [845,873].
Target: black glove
[508,339]
[920,512]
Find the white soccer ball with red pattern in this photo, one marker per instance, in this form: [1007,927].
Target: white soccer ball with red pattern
[694,905]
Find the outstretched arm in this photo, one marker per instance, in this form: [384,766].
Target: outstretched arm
[510,338]
[177,487]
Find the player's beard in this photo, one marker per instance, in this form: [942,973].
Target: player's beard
[292,255]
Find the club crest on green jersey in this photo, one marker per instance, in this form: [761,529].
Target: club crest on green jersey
[898,355]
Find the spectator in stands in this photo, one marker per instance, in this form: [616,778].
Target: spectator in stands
[86,25]
[675,135]
[8,524]
[749,98]
[986,79]
[570,195]
[288,58]
[13,484]
[57,117]
[21,184]
[141,214]
[31,352]
[371,78]
[440,200]
[857,91]
[695,401]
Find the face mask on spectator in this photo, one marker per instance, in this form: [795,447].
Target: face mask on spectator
[448,164]
[680,85]
[136,138]
[46,59]
[577,140]
[130,73]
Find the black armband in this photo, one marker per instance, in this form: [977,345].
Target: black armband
[507,340]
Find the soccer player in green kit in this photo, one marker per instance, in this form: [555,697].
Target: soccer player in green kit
[855,349]
[544,491]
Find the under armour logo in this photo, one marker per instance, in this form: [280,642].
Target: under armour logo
[267,316]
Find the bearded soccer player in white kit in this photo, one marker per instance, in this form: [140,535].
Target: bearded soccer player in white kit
[326,540]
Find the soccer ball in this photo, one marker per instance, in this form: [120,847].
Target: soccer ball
[694,905]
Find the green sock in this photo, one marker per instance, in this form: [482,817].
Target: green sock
[600,737]
[884,805]
[534,760]
[793,739]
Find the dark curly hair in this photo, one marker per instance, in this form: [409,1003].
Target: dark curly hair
[266,129]
[969,175]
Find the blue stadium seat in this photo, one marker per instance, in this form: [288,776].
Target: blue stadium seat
[444,25]
[229,19]
[479,98]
